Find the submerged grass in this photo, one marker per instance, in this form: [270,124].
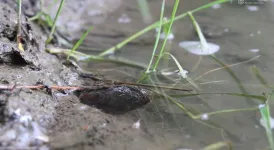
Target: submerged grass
[150,27]
[260,77]
[218,145]
[193,114]
[162,53]
[79,56]
[265,108]
[245,94]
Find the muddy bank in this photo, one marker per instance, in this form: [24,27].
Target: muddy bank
[36,119]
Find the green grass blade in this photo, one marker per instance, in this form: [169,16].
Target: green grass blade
[80,41]
[37,16]
[167,34]
[265,113]
[266,116]
[199,31]
[158,37]
[54,22]
[260,77]
[48,20]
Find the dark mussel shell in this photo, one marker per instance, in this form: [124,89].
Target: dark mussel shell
[117,99]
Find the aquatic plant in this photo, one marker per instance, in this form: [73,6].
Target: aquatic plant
[201,48]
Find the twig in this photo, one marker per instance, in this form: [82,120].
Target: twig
[36,87]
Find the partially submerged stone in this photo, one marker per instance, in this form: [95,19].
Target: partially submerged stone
[117,99]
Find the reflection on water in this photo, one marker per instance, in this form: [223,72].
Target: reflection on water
[247,33]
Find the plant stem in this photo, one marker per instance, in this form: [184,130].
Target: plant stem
[54,22]
[158,37]
[167,34]
[77,54]
[20,46]
[80,41]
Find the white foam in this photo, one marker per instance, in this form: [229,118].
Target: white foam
[195,47]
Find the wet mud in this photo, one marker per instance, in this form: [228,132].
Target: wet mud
[37,119]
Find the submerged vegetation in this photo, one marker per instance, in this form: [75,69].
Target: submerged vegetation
[150,72]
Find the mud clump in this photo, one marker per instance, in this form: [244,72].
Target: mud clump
[9,52]
[117,99]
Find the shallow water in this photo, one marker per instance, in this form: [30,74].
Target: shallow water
[164,124]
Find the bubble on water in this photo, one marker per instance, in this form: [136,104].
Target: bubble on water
[251,34]
[252,8]
[195,47]
[169,37]
[187,136]
[205,117]
[168,73]
[124,19]
[226,29]
[163,34]
[216,6]
[258,32]
[261,106]
[254,50]
[95,12]
[263,123]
